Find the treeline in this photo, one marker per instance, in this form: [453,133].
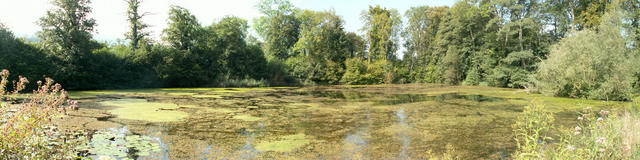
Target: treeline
[504,43]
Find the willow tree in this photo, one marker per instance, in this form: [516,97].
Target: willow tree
[591,64]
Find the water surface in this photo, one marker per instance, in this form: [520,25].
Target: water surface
[330,122]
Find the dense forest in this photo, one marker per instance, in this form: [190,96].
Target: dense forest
[573,48]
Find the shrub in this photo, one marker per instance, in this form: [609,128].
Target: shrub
[590,64]
[361,72]
[354,70]
[26,127]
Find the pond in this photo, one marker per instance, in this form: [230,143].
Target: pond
[327,122]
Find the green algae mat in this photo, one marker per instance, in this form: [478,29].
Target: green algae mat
[415,121]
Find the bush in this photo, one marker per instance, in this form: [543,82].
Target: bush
[354,70]
[361,72]
[589,64]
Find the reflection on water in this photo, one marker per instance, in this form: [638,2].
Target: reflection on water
[248,151]
[396,99]
[354,144]
[391,122]
[402,135]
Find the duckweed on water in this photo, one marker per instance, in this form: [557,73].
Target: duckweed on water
[246,117]
[285,144]
[140,109]
[207,96]
[382,122]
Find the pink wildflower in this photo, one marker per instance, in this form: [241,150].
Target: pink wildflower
[578,128]
[604,112]
[600,119]
[571,148]
[580,118]
[601,140]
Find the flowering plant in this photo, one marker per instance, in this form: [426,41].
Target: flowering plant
[25,123]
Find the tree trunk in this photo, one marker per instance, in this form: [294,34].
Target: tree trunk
[521,45]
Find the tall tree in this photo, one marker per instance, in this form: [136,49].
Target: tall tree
[66,29]
[279,27]
[523,38]
[462,29]
[382,27]
[136,33]
[321,49]
[184,30]
[419,34]
[66,35]
[195,58]
[240,59]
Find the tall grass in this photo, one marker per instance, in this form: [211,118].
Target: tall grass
[25,125]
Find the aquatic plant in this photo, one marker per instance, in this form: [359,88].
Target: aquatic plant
[140,109]
[286,143]
[26,124]
[120,143]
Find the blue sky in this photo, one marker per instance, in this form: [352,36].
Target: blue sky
[20,15]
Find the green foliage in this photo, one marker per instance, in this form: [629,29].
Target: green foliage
[22,58]
[532,131]
[66,35]
[361,72]
[354,72]
[420,34]
[321,49]
[590,64]
[279,28]
[597,135]
[497,43]
[66,30]
[451,66]
[240,60]
[382,27]
[244,83]
[136,33]
[184,31]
